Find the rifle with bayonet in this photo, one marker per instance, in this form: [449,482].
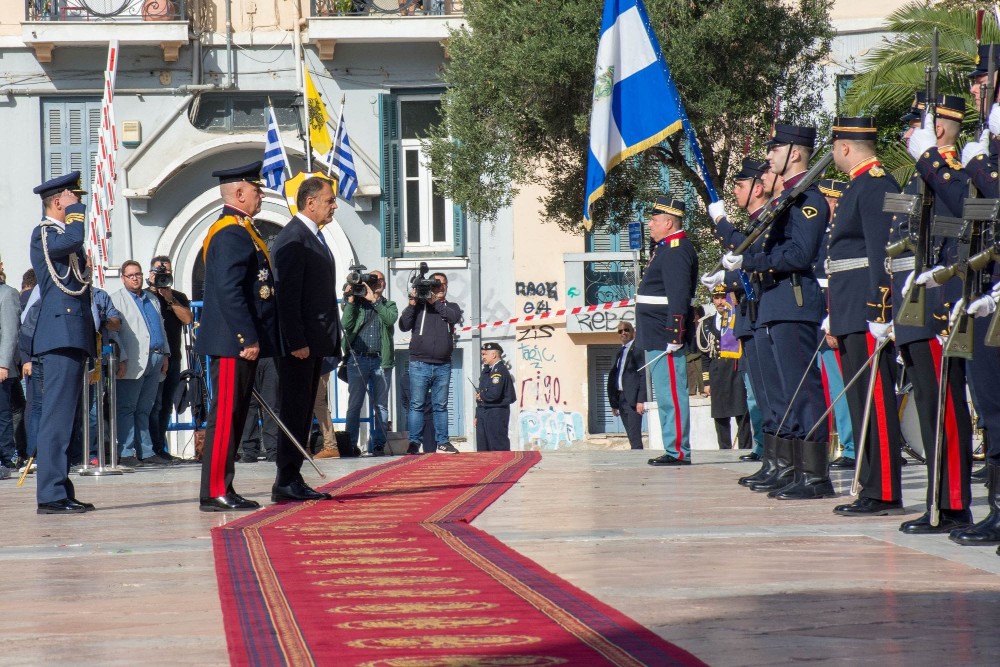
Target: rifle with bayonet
[913,312]
[772,213]
[967,232]
[990,252]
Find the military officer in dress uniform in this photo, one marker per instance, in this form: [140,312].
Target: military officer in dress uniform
[723,379]
[663,323]
[980,160]
[238,326]
[63,339]
[791,309]
[493,400]
[753,188]
[920,346]
[855,266]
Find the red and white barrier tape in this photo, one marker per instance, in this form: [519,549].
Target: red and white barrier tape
[550,315]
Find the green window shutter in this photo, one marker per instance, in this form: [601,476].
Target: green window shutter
[459,220]
[391,211]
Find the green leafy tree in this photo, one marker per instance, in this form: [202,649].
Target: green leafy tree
[520,85]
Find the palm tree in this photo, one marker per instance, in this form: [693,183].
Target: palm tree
[892,72]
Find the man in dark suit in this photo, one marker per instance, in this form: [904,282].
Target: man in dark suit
[305,277]
[238,326]
[63,338]
[627,386]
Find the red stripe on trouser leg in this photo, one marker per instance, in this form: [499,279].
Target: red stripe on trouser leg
[677,406]
[881,426]
[950,440]
[223,426]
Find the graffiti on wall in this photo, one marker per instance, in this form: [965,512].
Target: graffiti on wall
[602,320]
[543,292]
[544,421]
[550,428]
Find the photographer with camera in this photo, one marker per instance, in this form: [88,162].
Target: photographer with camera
[176,310]
[368,320]
[431,318]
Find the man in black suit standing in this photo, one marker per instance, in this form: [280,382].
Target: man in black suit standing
[305,279]
[627,386]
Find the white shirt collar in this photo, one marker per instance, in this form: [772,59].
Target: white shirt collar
[313,227]
[61,225]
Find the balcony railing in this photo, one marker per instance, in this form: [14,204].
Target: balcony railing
[606,282]
[386,8]
[105,10]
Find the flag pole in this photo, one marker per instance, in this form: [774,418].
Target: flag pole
[336,136]
[287,169]
[305,110]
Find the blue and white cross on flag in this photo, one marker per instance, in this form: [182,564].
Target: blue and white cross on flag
[275,169]
[636,104]
[341,159]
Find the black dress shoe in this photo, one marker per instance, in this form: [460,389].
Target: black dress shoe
[668,460]
[297,491]
[413,449]
[227,503]
[64,506]
[843,463]
[240,498]
[88,507]
[948,521]
[870,507]
[752,456]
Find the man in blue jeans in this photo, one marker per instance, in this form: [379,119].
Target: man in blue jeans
[368,321]
[431,322]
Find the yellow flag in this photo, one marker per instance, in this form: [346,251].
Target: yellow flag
[319,135]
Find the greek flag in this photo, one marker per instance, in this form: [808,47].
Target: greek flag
[342,158]
[275,163]
[636,104]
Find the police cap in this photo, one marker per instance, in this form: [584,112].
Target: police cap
[248,172]
[798,135]
[983,60]
[54,186]
[857,128]
[492,346]
[668,205]
[751,169]
[832,188]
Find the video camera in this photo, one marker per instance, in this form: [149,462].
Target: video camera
[358,277]
[162,277]
[423,286]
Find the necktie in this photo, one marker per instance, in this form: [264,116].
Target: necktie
[322,240]
[621,366]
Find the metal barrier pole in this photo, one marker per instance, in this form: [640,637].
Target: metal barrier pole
[85,417]
[101,469]
[113,410]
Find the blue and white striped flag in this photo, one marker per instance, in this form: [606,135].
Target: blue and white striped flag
[341,158]
[636,104]
[275,169]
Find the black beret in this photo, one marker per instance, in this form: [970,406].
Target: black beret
[493,346]
[248,172]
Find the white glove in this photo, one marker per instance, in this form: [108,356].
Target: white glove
[825,325]
[974,148]
[922,139]
[732,262]
[994,120]
[880,330]
[983,306]
[927,277]
[673,347]
[710,280]
[955,311]
[996,292]
[717,210]
[908,283]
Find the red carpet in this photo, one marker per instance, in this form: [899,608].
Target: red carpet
[390,574]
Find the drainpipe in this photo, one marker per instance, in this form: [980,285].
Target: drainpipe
[476,302]
[229,45]
[297,45]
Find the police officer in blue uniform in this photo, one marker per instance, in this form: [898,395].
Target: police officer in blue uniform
[980,163]
[63,339]
[860,304]
[493,401]
[919,346]
[791,309]
[664,324]
[238,326]
[753,188]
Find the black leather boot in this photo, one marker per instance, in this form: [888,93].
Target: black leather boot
[766,467]
[987,531]
[783,471]
[796,477]
[814,480]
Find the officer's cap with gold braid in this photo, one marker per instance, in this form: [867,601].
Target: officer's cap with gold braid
[718,290]
[798,135]
[832,188]
[951,107]
[983,60]
[54,186]
[917,107]
[248,172]
[669,205]
[751,169]
[858,128]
